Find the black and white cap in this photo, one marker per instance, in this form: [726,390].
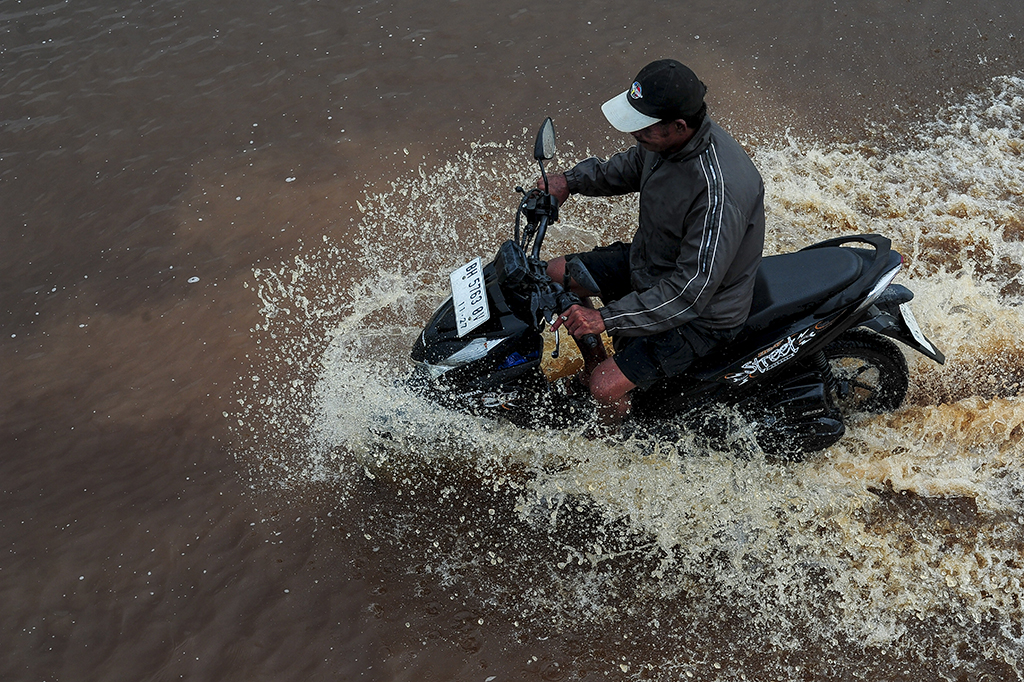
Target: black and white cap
[663,91]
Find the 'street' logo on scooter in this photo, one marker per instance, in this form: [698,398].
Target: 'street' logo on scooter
[636,92]
[772,357]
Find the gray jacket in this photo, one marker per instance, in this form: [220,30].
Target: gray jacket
[701,232]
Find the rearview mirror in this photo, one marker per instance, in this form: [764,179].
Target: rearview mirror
[545,148]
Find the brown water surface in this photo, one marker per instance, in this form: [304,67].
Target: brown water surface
[222,224]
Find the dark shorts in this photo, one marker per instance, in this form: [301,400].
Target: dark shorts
[644,360]
[609,266]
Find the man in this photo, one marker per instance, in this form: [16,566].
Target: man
[684,284]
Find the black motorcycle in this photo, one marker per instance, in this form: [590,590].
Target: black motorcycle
[814,347]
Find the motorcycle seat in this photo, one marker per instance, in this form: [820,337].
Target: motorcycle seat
[792,284]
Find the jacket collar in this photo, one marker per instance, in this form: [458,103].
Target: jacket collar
[697,144]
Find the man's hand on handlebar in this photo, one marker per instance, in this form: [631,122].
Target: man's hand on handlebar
[557,187]
[578,321]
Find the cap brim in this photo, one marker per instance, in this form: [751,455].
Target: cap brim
[621,114]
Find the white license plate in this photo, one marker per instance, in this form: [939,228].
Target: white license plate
[470,297]
[915,329]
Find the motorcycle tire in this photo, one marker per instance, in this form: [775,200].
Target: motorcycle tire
[870,371]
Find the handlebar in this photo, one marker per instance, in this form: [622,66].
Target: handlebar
[566,300]
[541,209]
[541,231]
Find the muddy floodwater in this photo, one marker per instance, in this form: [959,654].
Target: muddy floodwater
[222,226]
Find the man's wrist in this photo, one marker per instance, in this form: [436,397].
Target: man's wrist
[570,181]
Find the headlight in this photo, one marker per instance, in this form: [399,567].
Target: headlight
[474,350]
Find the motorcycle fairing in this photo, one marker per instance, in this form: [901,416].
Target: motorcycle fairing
[504,348]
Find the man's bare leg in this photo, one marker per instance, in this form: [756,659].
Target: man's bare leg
[556,271]
[608,385]
[611,389]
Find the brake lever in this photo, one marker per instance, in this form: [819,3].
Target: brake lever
[558,341]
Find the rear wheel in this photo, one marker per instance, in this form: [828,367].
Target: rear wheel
[870,371]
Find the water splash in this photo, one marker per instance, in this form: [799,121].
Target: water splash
[903,538]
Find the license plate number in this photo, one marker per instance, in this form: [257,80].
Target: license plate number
[469,295]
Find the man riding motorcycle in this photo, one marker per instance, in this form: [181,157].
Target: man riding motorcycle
[685,282]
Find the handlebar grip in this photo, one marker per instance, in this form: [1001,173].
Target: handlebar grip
[591,341]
